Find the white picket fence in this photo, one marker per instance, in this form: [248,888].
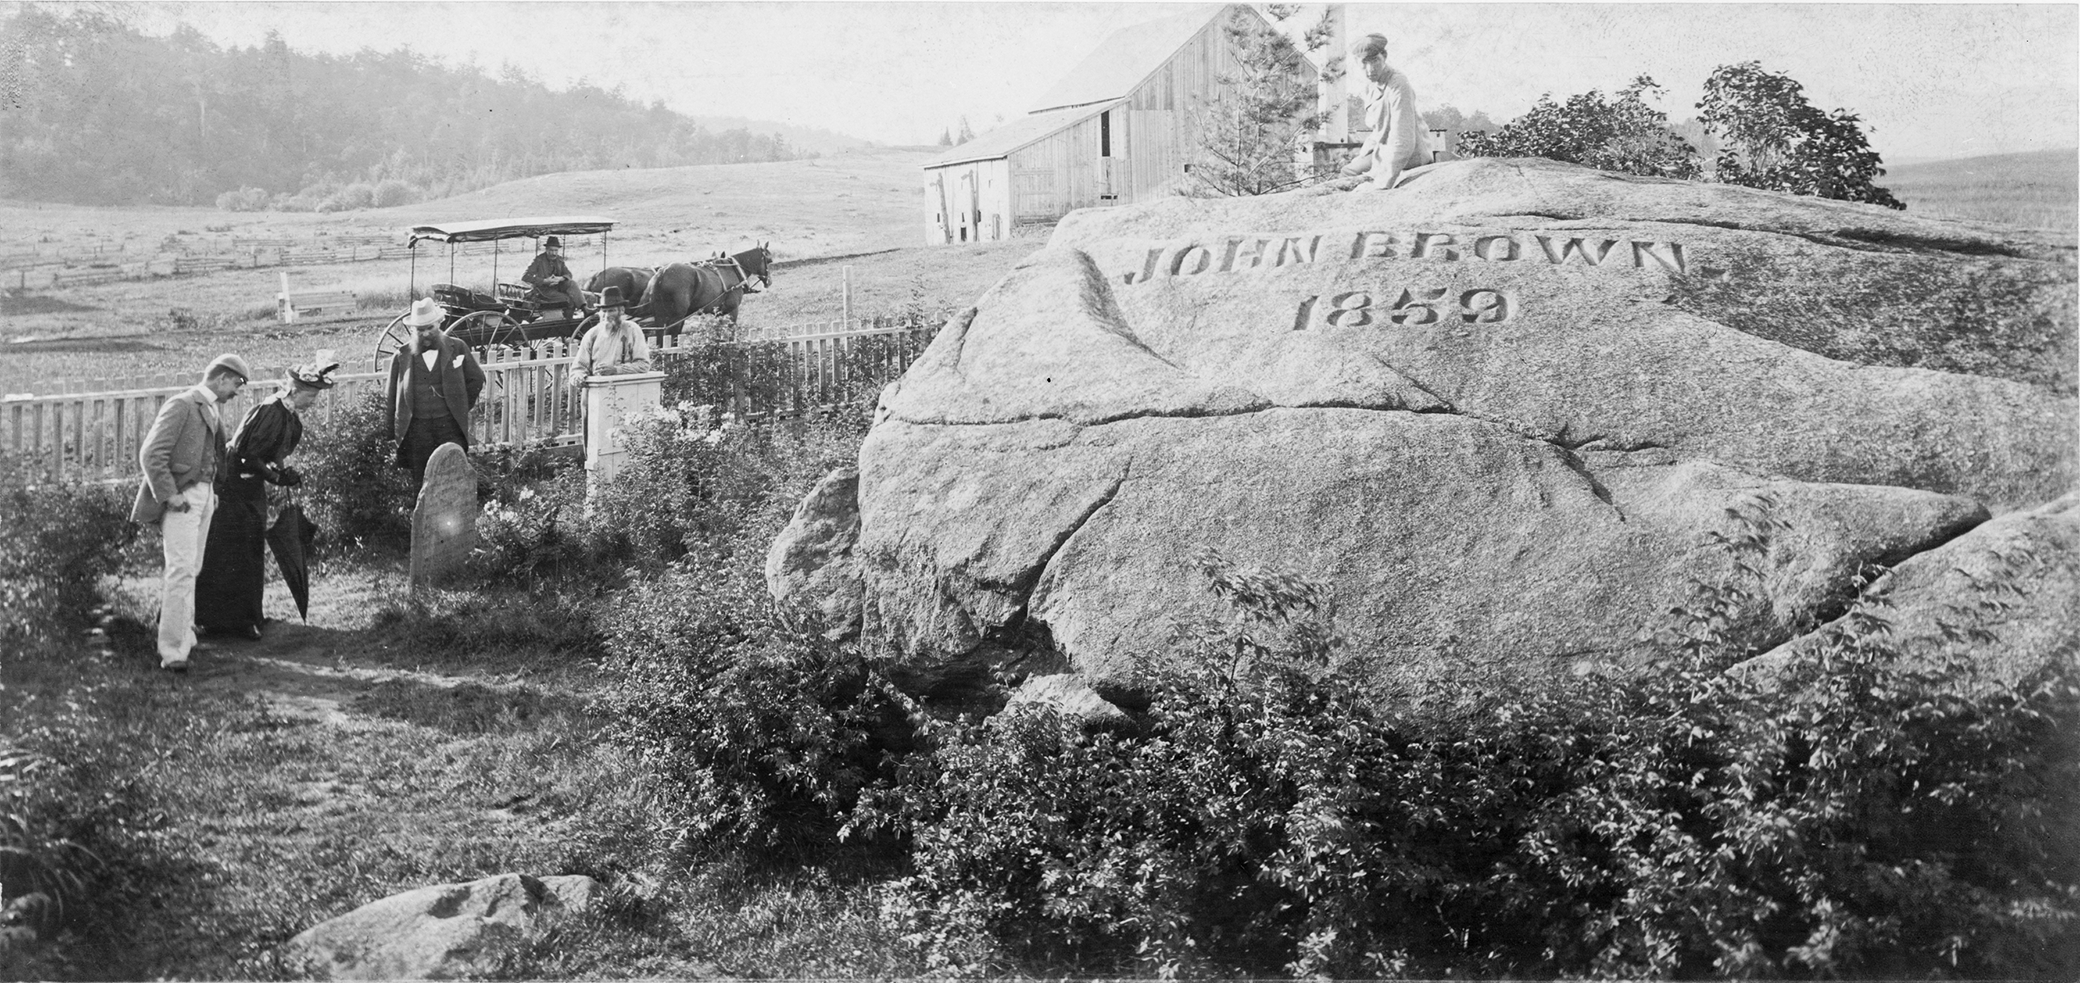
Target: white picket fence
[95,433]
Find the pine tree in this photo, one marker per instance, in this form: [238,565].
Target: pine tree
[1250,136]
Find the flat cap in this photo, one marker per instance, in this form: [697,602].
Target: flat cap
[232,362]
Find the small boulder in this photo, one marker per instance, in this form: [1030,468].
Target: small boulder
[1068,694]
[445,931]
[812,558]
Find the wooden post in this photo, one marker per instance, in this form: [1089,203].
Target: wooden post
[848,298]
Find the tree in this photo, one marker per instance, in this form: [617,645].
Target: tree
[1256,124]
[965,133]
[1774,139]
[1625,134]
[945,137]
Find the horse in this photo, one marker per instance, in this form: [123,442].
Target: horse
[714,286]
[633,281]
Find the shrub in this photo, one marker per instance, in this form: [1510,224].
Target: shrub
[246,199]
[687,488]
[1866,817]
[294,203]
[716,370]
[356,195]
[760,734]
[1625,134]
[1775,139]
[60,540]
[391,192]
[352,487]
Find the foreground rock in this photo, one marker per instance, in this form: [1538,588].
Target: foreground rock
[1998,605]
[447,931]
[1500,410]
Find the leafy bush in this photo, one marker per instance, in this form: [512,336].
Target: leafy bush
[391,192]
[760,734]
[352,487]
[246,199]
[687,488]
[764,376]
[1860,816]
[60,540]
[1625,134]
[356,195]
[1774,139]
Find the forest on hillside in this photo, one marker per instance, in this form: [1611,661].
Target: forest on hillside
[93,111]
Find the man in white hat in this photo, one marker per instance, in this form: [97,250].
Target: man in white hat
[181,456]
[433,384]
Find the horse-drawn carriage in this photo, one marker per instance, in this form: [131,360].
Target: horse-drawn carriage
[512,313]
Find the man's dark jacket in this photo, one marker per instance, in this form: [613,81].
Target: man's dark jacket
[461,379]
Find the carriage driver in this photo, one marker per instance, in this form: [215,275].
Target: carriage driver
[552,282]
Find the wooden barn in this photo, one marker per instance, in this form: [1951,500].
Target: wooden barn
[1120,127]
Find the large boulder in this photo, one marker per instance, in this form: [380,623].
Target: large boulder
[1504,410]
[442,932]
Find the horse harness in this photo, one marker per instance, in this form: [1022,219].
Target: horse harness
[744,276]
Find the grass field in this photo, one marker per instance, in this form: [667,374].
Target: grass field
[2039,190]
[859,211]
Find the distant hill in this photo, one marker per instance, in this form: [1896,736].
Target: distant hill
[2037,189]
[812,139]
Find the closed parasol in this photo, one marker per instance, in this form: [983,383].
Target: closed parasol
[290,539]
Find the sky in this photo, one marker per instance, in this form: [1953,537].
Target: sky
[1929,80]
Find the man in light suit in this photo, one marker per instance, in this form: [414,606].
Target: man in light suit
[433,384]
[180,459]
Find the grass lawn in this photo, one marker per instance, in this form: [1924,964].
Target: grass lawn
[286,781]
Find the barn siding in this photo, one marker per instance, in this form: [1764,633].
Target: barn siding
[1154,130]
[970,202]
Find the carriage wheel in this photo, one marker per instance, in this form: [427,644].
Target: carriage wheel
[495,327]
[499,331]
[394,339]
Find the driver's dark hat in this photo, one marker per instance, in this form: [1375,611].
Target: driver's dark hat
[552,241]
[611,297]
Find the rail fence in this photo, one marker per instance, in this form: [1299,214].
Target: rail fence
[96,434]
[31,269]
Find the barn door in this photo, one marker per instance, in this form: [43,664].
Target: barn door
[971,208]
[942,230]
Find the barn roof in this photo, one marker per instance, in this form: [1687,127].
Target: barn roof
[1127,58]
[1099,82]
[1018,133]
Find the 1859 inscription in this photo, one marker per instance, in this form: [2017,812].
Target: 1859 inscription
[1235,254]
[1411,306]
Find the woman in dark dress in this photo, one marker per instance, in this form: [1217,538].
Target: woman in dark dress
[228,591]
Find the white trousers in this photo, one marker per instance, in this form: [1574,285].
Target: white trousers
[184,534]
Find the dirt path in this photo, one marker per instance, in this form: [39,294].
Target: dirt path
[312,669]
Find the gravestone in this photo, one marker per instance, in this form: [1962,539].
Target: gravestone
[1508,413]
[610,399]
[444,523]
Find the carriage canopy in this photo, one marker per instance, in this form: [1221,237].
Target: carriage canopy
[513,228]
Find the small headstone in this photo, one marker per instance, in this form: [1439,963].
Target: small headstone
[444,524]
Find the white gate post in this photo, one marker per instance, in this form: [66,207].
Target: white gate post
[609,399]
